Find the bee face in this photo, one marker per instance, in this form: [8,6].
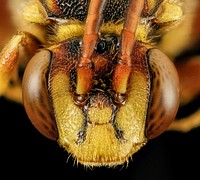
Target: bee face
[99,86]
[100,131]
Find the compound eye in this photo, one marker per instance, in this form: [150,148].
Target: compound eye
[164,101]
[35,94]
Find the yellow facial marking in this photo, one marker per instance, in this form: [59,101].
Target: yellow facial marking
[99,116]
[69,118]
[132,116]
[99,135]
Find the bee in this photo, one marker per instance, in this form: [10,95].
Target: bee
[93,76]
